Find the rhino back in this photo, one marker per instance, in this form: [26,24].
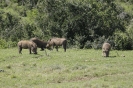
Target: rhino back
[24,44]
[39,42]
[106,46]
[58,41]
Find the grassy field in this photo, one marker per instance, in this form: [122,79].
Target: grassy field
[76,68]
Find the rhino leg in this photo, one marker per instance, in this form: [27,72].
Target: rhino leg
[64,46]
[20,49]
[42,48]
[56,48]
[30,50]
[52,47]
[107,54]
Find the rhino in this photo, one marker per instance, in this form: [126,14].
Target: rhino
[26,44]
[56,42]
[106,49]
[41,44]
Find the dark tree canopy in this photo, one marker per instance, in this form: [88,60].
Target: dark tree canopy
[78,21]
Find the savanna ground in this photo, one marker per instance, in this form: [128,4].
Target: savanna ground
[76,68]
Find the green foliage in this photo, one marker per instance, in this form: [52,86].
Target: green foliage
[127,1]
[123,41]
[82,21]
[88,45]
[79,21]
[2,43]
[98,42]
[6,44]
[130,29]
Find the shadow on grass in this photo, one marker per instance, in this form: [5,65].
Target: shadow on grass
[112,56]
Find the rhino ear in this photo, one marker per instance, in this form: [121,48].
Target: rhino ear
[49,39]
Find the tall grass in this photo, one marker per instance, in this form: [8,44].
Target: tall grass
[76,68]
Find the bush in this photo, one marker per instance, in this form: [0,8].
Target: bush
[123,41]
[130,29]
[129,1]
[4,44]
[76,20]
[88,45]
[98,42]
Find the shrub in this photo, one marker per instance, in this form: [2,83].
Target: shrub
[7,44]
[123,41]
[88,45]
[2,43]
[97,44]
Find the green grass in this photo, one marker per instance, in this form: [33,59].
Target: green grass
[76,68]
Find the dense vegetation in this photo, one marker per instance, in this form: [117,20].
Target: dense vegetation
[85,23]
